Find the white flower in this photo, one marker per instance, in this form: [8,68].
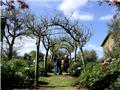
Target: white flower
[26,68]
[73,71]
[79,68]
[33,61]
[19,73]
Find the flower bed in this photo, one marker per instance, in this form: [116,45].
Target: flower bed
[98,76]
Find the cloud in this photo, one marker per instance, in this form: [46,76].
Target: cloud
[98,49]
[71,7]
[87,16]
[106,17]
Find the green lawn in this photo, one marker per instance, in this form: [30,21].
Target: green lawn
[58,82]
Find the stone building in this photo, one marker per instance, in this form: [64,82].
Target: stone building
[108,43]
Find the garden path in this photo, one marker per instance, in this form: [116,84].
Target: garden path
[58,82]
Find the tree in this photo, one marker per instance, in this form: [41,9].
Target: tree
[114,30]
[15,28]
[54,49]
[76,45]
[10,4]
[67,48]
[38,28]
[90,56]
[83,39]
[2,33]
[67,43]
[48,43]
[73,28]
[33,55]
[15,19]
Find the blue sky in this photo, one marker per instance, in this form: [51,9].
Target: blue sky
[88,12]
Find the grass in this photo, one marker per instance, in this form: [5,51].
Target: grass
[58,82]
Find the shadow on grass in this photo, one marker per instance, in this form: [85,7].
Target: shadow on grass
[25,86]
[42,83]
[52,87]
[48,75]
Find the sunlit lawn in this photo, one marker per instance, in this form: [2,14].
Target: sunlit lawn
[58,82]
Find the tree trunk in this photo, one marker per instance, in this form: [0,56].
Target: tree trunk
[1,50]
[82,58]
[45,62]
[75,53]
[36,62]
[10,49]
[70,56]
[52,54]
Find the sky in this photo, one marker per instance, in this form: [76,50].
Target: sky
[88,12]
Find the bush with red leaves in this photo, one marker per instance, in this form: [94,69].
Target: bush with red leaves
[105,69]
[9,4]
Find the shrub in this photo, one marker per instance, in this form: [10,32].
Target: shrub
[91,75]
[50,64]
[75,69]
[115,85]
[115,66]
[41,68]
[19,72]
[98,76]
[15,72]
[89,55]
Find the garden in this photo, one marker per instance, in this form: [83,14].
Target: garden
[64,63]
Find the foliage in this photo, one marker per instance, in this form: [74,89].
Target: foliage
[33,55]
[15,28]
[18,72]
[41,68]
[75,68]
[100,76]
[10,4]
[114,31]
[50,65]
[115,54]
[88,78]
[90,56]
[114,28]
[115,65]
[15,72]
[116,85]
